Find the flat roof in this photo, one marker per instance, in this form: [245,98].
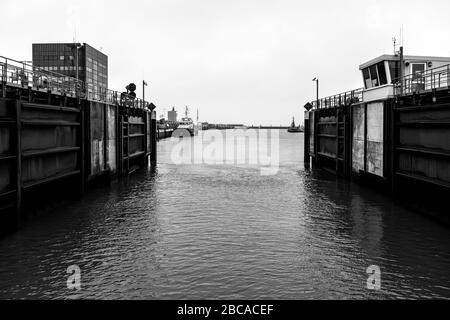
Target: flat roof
[391,57]
[83,44]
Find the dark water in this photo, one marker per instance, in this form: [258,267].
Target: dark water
[227,232]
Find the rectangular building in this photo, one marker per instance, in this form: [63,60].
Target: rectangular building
[172,115]
[72,60]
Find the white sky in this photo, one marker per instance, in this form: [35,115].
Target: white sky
[237,61]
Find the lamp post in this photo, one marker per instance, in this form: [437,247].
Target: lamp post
[317,92]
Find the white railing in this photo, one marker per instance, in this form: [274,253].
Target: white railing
[431,79]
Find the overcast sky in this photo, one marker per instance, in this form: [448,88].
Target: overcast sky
[244,61]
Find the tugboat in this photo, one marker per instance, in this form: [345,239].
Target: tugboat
[294,128]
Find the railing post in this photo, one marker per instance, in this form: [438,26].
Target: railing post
[433,80]
[448,75]
[4,78]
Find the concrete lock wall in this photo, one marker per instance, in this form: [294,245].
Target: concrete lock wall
[111,154]
[97,138]
[103,140]
[375,133]
[358,137]
[368,138]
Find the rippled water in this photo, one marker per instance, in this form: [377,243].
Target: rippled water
[227,232]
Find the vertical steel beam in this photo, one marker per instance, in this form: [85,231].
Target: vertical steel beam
[153,155]
[365,137]
[337,142]
[105,134]
[145,118]
[82,143]
[306,151]
[18,163]
[316,136]
[346,141]
[128,143]
[120,144]
[393,147]
[117,138]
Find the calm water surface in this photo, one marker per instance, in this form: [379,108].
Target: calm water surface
[226,232]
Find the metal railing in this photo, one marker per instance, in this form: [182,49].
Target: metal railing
[430,79]
[340,99]
[22,74]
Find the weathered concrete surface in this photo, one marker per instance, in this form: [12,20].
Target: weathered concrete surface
[375,133]
[111,162]
[97,137]
[358,138]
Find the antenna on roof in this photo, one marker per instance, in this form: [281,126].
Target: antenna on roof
[75,33]
[394,40]
[401,36]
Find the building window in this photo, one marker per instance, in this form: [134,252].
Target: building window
[394,70]
[366,76]
[374,75]
[382,73]
[61,57]
[417,70]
